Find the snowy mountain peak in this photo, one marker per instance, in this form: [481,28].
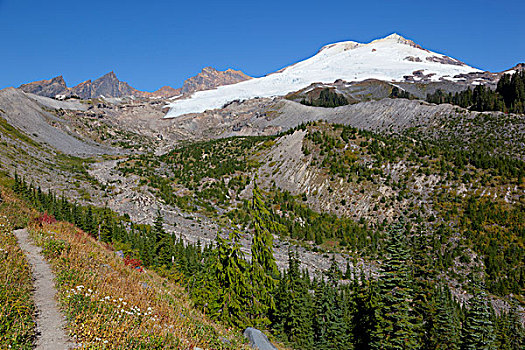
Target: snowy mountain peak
[392,58]
[393,38]
[396,38]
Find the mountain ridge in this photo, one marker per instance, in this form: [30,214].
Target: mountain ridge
[109,85]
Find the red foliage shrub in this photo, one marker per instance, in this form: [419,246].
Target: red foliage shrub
[133,263]
[45,219]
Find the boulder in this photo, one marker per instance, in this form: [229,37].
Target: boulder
[258,340]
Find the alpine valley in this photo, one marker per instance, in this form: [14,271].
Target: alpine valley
[371,196]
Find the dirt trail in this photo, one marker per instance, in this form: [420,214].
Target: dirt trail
[49,320]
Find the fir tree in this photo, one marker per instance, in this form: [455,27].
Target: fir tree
[106,225]
[90,225]
[365,304]
[445,331]
[229,304]
[329,325]
[263,267]
[513,335]
[203,283]
[424,301]
[163,242]
[395,328]
[294,312]
[478,329]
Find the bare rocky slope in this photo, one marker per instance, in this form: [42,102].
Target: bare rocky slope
[27,115]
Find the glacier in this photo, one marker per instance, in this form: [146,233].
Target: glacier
[389,59]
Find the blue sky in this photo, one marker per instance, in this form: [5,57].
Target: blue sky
[154,43]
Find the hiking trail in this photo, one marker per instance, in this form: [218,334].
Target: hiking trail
[49,320]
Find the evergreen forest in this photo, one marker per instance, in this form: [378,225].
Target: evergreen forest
[402,305]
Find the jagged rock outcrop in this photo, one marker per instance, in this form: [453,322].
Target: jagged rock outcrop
[49,88]
[108,85]
[210,78]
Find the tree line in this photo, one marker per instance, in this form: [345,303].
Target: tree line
[401,305]
[327,98]
[509,96]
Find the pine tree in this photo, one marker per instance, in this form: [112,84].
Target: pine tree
[396,325]
[478,329]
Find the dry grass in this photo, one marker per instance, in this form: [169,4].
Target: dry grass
[112,306]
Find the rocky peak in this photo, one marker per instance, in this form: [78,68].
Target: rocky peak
[58,80]
[210,78]
[517,68]
[49,88]
[107,85]
[108,77]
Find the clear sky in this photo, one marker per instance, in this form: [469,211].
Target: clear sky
[151,43]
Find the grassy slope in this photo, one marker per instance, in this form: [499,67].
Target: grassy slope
[108,305]
[16,304]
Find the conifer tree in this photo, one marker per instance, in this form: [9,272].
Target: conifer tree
[203,284]
[90,225]
[329,325]
[293,317]
[424,301]
[512,334]
[163,242]
[478,329]
[395,328]
[106,224]
[365,304]
[231,269]
[445,331]
[263,268]
[334,273]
